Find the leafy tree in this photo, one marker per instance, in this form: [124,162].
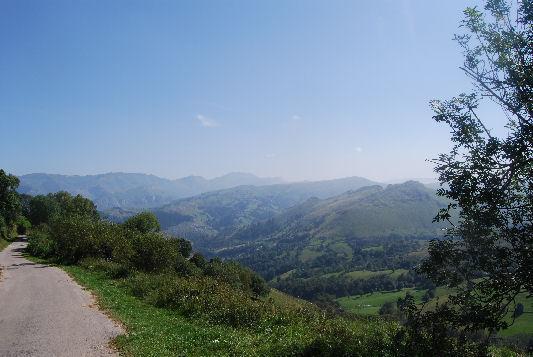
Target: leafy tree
[76,205]
[25,204]
[23,225]
[488,254]
[43,209]
[46,209]
[198,260]
[388,308]
[10,206]
[144,222]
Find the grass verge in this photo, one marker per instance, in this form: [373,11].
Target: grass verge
[153,331]
[3,244]
[156,331]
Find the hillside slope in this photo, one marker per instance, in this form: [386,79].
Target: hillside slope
[403,210]
[373,228]
[205,218]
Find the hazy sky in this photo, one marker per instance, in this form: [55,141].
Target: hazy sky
[298,89]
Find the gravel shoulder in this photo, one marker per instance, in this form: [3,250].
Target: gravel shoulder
[43,312]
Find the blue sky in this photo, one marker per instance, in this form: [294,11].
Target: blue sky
[297,89]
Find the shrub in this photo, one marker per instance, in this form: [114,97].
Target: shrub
[200,297]
[198,260]
[109,268]
[186,268]
[114,243]
[43,209]
[338,337]
[40,243]
[4,229]
[237,276]
[153,253]
[144,222]
[54,206]
[23,225]
[183,246]
[75,239]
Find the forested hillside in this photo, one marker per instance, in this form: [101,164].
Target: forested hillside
[211,218]
[325,246]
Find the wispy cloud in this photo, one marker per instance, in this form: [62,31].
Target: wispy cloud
[271,156]
[359,149]
[296,117]
[207,122]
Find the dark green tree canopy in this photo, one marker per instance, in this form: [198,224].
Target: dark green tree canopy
[10,206]
[488,256]
[144,222]
[46,209]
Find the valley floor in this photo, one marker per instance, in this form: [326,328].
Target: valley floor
[369,304]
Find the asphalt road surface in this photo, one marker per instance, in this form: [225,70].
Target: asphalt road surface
[43,312]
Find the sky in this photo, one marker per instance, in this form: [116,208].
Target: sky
[303,90]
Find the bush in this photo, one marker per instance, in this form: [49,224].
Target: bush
[111,269]
[200,297]
[54,206]
[338,337]
[153,253]
[23,225]
[40,243]
[183,246]
[144,222]
[75,239]
[114,243]
[198,260]
[4,229]
[237,276]
[388,308]
[43,209]
[186,268]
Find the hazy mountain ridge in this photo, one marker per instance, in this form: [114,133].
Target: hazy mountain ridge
[134,190]
[370,228]
[220,213]
[402,210]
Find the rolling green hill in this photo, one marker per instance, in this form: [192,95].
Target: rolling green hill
[209,220]
[309,246]
[322,246]
[403,210]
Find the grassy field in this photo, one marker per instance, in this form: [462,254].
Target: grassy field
[369,304]
[524,323]
[366,274]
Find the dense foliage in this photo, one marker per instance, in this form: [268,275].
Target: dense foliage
[488,256]
[10,206]
[144,222]
[71,232]
[12,220]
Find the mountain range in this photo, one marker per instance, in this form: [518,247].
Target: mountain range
[205,217]
[288,232]
[133,190]
[373,226]
[402,210]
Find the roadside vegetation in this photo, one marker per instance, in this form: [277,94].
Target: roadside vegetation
[174,301]
[12,220]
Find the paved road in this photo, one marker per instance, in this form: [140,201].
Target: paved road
[43,312]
